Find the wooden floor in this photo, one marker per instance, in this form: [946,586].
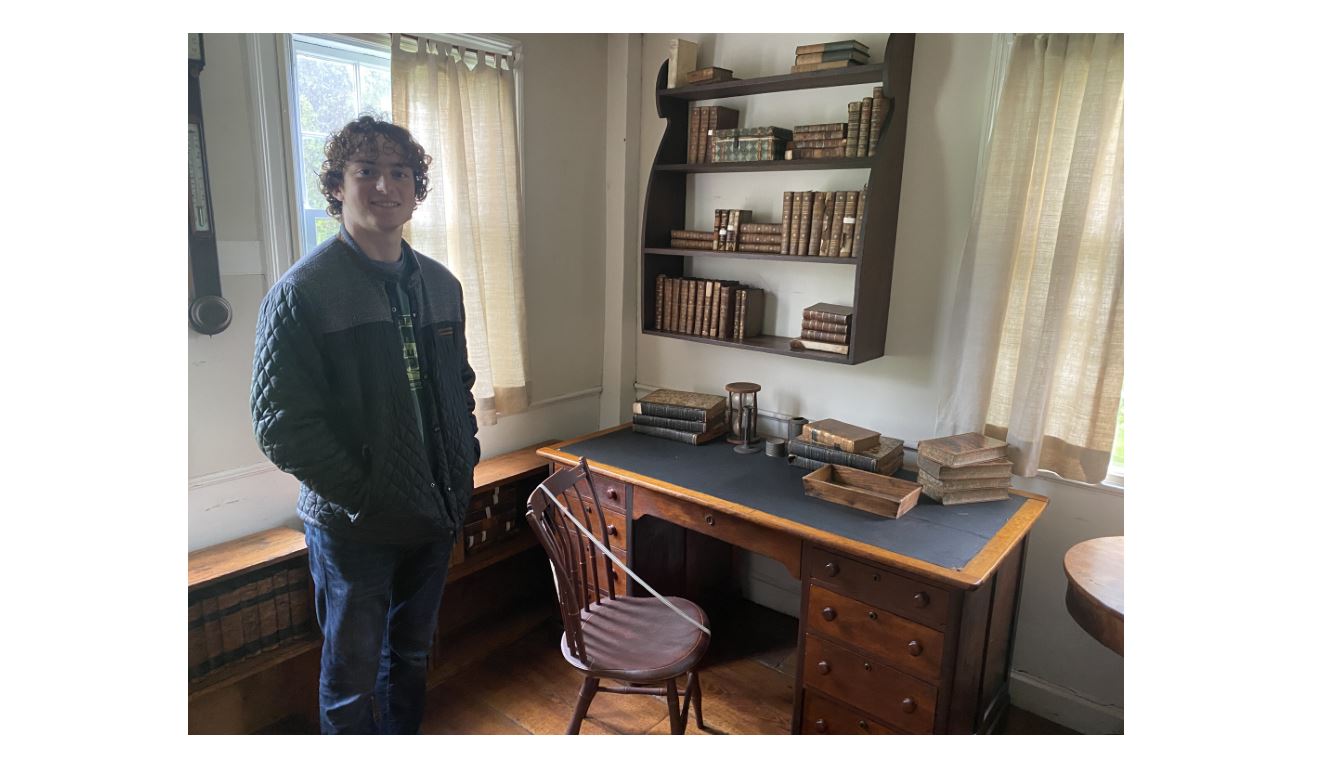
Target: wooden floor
[527,687]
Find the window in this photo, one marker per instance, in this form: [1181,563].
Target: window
[333,83]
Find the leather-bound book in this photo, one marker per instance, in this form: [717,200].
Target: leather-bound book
[991,469]
[962,449]
[687,405]
[845,436]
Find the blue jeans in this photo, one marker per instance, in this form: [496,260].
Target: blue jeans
[376,606]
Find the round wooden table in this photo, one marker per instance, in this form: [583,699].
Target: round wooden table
[1094,585]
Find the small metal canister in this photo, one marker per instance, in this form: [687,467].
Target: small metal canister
[775,447]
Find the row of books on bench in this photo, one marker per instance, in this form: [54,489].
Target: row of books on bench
[247,615]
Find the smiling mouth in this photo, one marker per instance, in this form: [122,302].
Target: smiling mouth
[385,204]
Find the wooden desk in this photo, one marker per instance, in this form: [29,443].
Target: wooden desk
[906,625]
[1094,588]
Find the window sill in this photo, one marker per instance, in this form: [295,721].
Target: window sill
[1112,485]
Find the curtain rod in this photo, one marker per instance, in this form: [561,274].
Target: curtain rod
[479,52]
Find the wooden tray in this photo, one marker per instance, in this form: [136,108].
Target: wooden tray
[866,491]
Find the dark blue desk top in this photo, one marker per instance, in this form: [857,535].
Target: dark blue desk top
[947,536]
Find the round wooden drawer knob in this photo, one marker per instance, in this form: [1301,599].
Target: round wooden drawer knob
[823,668]
[862,725]
[832,569]
[821,726]
[611,531]
[909,705]
[871,615]
[611,493]
[915,648]
[828,613]
[921,599]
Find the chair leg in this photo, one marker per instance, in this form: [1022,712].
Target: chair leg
[586,692]
[693,686]
[676,720]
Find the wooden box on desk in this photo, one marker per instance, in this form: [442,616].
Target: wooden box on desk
[865,491]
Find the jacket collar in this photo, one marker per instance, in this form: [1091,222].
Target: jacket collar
[411,269]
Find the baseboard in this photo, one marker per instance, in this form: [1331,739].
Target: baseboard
[1062,706]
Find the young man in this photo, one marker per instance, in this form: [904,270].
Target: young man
[361,390]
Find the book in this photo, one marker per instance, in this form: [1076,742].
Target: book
[804,222]
[822,326]
[677,424]
[823,127]
[962,449]
[837,223]
[850,224]
[857,224]
[837,45]
[300,607]
[670,308]
[825,65]
[693,134]
[884,458]
[817,218]
[282,595]
[760,239]
[708,74]
[854,128]
[845,436]
[999,468]
[821,143]
[803,344]
[716,118]
[960,485]
[787,218]
[764,131]
[878,107]
[684,405]
[828,337]
[848,54]
[725,311]
[805,462]
[213,642]
[197,649]
[681,60]
[681,436]
[719,231]
[773,249]
[710,325]
[828,153]
[864,131]
[965,495]
[826,224]
[691,234]
[658,301]
[761,228]
[828,312]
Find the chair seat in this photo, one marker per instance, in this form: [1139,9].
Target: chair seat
[640,640]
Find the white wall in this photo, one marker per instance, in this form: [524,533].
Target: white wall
[1058,670]
[233,490]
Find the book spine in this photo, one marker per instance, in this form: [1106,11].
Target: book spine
[250,616]
[213,640]
[837,223]
[760,239]
[690,234]
[841,64]
[786,241]
[805,462]
[707,327]
[821,436]
[768,249]
[197,650]
[752,227]
[668,433]
[673,411]
[825,337]
[821,325]
[864,131]
[676,424]
[299,598]
[282,597]
[820,143]
[725,321]
[825,454]
[819,154]
[824,127]
[658,301]
[854,114]
[878,104]
[693,136]
[858,223]
[817,219]
[740,331]
[827,225]
[820,57]
[691,287]
[718,226]
[849,223]
[842,45]
[825,316]
[674,303]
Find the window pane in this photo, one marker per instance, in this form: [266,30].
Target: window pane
[325,227]
[326,92]
[312,156]
[375,92]
[1119,442]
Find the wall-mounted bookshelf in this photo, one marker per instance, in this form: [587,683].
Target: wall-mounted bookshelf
[666,199]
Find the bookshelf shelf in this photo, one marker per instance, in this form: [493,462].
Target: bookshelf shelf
[750,256]
[832,78]
[841,163]
[666,199]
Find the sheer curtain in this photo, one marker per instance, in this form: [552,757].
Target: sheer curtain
[471,221]
[1036,329]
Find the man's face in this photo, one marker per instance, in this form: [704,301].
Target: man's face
[377,193]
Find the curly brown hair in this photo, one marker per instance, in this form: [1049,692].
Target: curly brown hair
[363,136]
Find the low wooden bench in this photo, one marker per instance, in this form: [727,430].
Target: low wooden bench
[270,671]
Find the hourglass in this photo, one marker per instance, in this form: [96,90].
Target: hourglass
[742,413]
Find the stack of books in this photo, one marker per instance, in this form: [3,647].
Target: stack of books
[710,308]
[965,468]
[834,55]
[864,123]
[246,615]
[811,142]
[683,416]
[825,327]
[748,144]
[689,239]
[826,224]
[703,120]
[833,441]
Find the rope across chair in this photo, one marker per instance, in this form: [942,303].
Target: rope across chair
[645,643]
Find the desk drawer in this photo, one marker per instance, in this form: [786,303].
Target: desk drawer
[611,493]
[888,694]
[926,604]
[822,715]
[720,525]
[902,643]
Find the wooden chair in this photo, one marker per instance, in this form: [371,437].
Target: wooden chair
[645,643]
